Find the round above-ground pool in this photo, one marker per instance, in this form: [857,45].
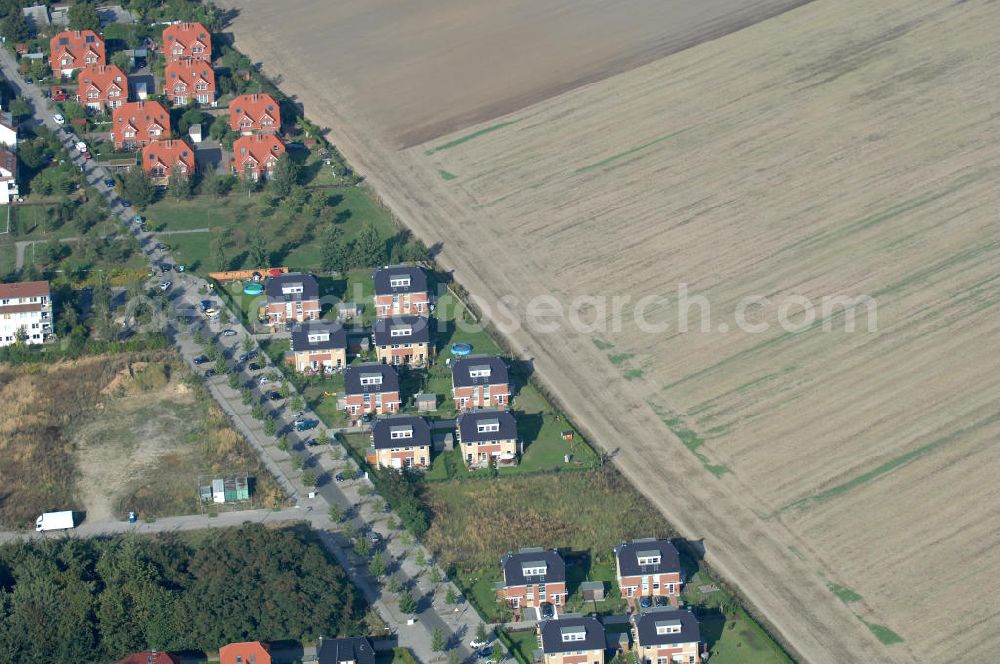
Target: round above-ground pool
[253,289]
[461,348]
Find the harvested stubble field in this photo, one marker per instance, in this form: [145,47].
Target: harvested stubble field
[844,481]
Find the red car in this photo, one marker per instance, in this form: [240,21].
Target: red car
[86,155]
[59,97]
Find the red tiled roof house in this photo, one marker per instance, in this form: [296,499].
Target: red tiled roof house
[371,387]
[102,86]
[187,81]
[75,49]
[161,159]
[532,577]
[138,123]
[187,41]
[255,157]
[254,113]
[247,652]
[401,290]
[480,381]
[292,297]
[648,568]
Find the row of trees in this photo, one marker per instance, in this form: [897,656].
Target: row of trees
[97,600]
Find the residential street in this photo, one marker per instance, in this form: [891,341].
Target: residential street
[457,622]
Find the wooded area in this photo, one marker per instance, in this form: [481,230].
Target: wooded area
[92,600]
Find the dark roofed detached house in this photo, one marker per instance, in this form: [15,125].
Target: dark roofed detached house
[371,387]
[292,297]
[319,345]
[488,435]
[401,290]
[402,340]
[572,640]
[150,657]
[400,442]
[665,634]
[649,567]
[532,577]
[354,650]
[480,381]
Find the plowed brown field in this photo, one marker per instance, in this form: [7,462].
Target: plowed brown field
[846,482]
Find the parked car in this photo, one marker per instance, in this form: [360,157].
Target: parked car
[165,267]
[86,155]
[274,396]
[137,219]
[160,246]
[211,312]
[645,602]
[80,146]
[339,477]
[164,285]
[548,611]
[59,96]
[29,80]
[229,333]
[125,203]
[253,366]
[209,373]
[263,380]
[303,425]
[178,267]
[374,537]
[249,355]
[59,119]
[476,644]
[109,183]
[660,601]
[201,359]
[204,305]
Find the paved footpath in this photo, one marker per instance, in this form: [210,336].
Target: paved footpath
[458,622]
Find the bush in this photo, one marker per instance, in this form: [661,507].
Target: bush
[406,602]
[402,491]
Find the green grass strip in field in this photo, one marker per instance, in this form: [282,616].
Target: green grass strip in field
[469,137]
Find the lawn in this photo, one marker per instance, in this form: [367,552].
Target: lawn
[292,239]
[521,644]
